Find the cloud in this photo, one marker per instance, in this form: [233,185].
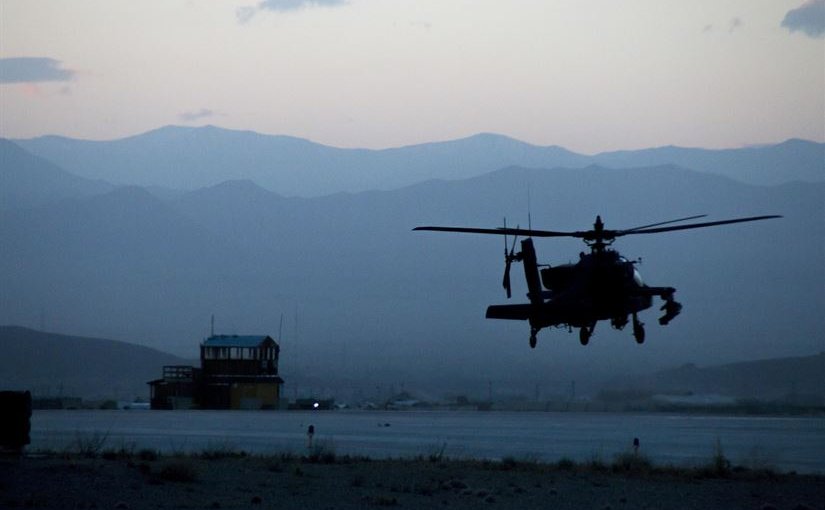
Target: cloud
[32,70]
[245,14]
[193,116]
[808,18]
[426,25]
[734,24]
[294,5]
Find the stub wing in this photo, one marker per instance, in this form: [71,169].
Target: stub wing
[511,312]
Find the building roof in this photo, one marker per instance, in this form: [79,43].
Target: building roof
[235,340]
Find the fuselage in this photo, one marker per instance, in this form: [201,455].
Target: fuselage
[602,285]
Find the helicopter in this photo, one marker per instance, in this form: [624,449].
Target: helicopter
[602,285]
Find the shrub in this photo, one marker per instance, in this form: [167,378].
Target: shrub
[719,465]
[632,463]
[436,457]
[508,463]
[566,464]
[221,450]
[89,444]
[322,452]
[597,465]
[147,455]
[178,472]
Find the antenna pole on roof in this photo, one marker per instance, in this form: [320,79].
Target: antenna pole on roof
[212,326]
[529,218]
[280,327]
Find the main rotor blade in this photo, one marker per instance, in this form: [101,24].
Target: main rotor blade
[625,231]
[696,225]
[467,230]
[503,231]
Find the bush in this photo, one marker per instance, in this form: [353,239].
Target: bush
[178,472]
[719,465]
[566,464]
[436,457]
[126,451]
[508,463]
[221,450]
[147,455]
[322,452]
[596,464]
[632,463]
[89,444]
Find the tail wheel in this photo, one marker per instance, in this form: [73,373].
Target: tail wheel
[584,335]
[639,334]
[638,330]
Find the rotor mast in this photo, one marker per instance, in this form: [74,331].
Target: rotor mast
[598,239]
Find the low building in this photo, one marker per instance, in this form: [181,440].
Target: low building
[236,372]
[177,389]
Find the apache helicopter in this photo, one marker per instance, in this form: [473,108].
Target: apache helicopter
[602,285]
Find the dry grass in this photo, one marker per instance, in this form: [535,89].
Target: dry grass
[322,479]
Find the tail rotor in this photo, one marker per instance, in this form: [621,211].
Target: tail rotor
[509,257]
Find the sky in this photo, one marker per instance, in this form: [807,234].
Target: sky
[591,76]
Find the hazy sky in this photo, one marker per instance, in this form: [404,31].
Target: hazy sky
[588,75]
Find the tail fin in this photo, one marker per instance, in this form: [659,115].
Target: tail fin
[531,272]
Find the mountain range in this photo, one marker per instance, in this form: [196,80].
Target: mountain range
[356,298]
[28,180]
[189,158]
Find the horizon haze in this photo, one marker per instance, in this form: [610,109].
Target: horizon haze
[592,77]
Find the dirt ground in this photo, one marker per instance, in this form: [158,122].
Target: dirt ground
[146,481]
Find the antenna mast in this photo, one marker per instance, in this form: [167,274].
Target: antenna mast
[280,327]
[529,219]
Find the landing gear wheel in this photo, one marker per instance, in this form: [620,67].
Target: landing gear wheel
[584,335]
[533,332]
[638,330]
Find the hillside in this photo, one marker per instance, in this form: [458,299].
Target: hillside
[792,378]
[50,364]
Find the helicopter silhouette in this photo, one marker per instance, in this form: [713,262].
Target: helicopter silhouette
[602,285]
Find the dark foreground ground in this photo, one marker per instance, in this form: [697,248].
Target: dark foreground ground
[223,481]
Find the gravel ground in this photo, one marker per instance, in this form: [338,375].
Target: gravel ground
[145,481]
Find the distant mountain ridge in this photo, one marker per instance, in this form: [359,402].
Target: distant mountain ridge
[190,158]
[27,180]
[792,159]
